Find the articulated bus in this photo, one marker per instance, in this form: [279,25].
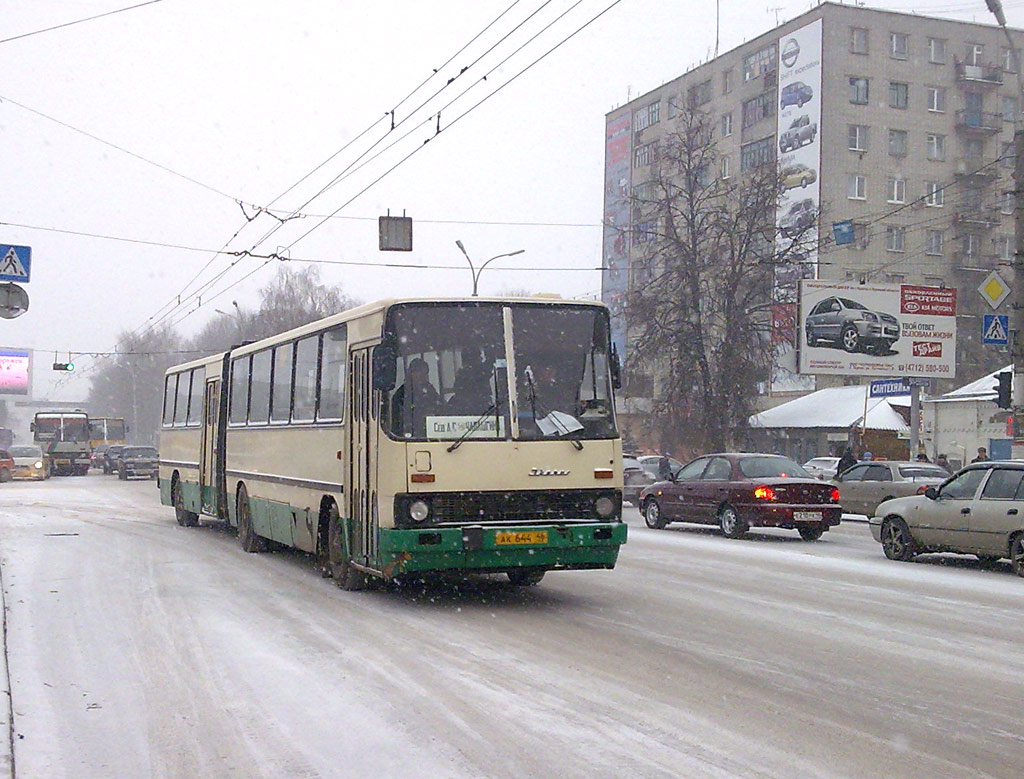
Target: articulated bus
[104,431]
[409,436]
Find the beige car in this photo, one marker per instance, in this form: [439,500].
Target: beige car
[978,511]
[864,485]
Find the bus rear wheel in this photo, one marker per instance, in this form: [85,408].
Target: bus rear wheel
[185,517]
[247,537]
[346,576]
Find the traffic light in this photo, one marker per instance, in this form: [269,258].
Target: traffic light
[63,366]
[1004,389]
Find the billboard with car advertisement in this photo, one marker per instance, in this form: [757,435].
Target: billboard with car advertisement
[15,373]
[796,216]
[877,329]
[614,281]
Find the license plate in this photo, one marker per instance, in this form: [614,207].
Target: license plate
[806,516]
[520,538]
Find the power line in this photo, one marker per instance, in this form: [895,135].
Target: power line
[78,21]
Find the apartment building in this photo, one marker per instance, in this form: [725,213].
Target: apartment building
[906,125]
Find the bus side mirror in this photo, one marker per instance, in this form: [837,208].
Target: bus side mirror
[385,366]
[31,427]
[616,369]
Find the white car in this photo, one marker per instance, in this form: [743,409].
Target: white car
[822,467]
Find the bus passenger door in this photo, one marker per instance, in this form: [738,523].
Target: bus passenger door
[207,477]
[360,485]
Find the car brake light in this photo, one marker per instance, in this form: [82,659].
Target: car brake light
[764,492]
[835,495]
[921,490]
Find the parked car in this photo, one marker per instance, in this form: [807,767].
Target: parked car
[863,486]
[138,461]
[979,511]
[796,175]
[801,131]
[652,463]
[29,462]
[740,491]
[800,216]
[110,457]
[822,467]
[851,326]
[796,94]
[6,465]
[634,478]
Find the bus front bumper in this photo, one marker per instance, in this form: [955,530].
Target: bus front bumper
[488,549]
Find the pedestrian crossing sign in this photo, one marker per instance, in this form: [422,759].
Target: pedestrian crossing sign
[15,262]
[995,329]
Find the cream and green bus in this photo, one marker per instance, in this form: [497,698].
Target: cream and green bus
[409,436]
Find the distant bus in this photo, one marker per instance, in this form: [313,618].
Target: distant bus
[106,430]
[6,437]
[327,438]
[64,437]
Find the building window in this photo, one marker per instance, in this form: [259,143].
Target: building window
[858,90]
[973,149]
[937,50]
[1010,108]
[972,246]
[856,187]
[759,63]
[757,153]
[933,241]
[727,82]
[757,108]
[1009,157]
[858,40]
[644,232]
[645,155]
[898,45]
[1007,60]
[1005,243]
[895,278]
[727,124]
[646,116]
[895,239]
[936,145]
[1007,203]
[699,94]
[897,189]
[857,137]
[936,98]
[898,143]
[725,168]
[933,194]
[975,53]
[898,92]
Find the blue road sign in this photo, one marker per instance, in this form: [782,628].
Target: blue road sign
[884,388]
[15,262]
[995,329]
[842,232]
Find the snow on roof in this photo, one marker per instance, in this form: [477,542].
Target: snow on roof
[982,389]
[835,407]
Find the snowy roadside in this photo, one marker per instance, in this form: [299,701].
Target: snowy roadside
[6,705]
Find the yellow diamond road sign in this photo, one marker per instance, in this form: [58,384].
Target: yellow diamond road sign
[994,289]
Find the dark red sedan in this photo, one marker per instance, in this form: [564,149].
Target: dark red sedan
[741,491]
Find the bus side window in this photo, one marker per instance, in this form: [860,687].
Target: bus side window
[332,373]
[239,390]
[259,399]
[181,404]
[170,390]
[306,353]
[195,403]
[281,404]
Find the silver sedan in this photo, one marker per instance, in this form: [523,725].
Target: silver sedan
[864,485]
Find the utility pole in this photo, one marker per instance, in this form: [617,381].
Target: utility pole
[1017,280]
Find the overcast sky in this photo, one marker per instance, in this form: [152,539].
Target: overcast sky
[238,100]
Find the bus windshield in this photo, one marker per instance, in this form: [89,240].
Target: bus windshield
[452,372]
[61,427]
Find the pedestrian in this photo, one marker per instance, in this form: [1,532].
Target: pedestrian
[866,456]
[846,461]
[943,463]
[982,456]
[922,457]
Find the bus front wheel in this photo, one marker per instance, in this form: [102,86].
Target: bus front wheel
[247,537]
[345,574]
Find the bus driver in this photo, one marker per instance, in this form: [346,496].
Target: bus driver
[414,401]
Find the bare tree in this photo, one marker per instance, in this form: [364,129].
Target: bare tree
[699,315]
[294,298]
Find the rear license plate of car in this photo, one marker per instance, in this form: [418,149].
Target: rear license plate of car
[807,516]
[521,538]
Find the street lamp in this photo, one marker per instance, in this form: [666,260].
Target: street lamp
[477,271]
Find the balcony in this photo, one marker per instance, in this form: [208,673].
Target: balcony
[972,262]
[977,123]
[975,219]
[978,75]
[977,168]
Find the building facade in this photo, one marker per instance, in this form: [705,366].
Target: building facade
[899,125]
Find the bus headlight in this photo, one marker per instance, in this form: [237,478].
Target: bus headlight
[604,506]
[418,510]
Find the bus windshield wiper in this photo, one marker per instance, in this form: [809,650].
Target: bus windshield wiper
[491,409]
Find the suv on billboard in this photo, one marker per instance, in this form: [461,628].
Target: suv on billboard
[800,216]
[852,326]
[801,131]
[796,94]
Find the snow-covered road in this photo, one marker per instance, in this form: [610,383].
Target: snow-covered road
[139,648]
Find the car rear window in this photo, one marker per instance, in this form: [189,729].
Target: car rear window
[922,472]
[765,467]
[140,451]
[26,451]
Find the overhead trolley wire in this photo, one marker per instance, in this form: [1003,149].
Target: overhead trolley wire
[78,21]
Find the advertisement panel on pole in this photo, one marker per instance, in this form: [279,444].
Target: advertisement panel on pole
[15,371]
[614,281]
[797,120]
[852,329]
